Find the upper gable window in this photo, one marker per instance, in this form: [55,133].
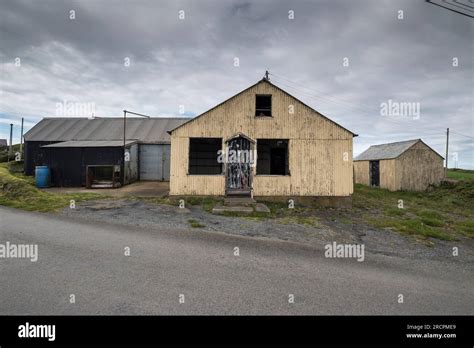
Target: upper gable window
[263,105]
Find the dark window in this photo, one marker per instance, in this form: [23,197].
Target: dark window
[263,105]
[203,156]
[272,157]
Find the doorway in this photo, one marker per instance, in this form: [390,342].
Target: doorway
[239,167]
[154,162]
[374,169]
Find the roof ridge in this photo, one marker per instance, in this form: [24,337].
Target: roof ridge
[395,142]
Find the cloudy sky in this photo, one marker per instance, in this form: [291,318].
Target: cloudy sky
[354,61]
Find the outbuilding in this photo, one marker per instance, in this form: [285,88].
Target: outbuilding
[90,151]
[262,142]
[406,165]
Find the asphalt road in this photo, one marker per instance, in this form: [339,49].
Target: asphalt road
[88,260]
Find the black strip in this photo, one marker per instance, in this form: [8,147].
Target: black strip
[272,330]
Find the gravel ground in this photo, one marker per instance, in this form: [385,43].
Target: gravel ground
[332,225]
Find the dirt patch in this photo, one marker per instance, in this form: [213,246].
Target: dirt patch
[136,189]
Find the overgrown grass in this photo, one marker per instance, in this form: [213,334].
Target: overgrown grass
[207,203]
[152,200]
[280,213]
[444,213]
[19,191]
[195,224]
[461,174]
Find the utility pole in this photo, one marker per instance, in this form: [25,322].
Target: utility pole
[21,138]
[11,144]
[124,140]
[124,128]
[447,144]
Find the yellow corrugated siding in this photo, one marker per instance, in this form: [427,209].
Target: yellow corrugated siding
[182,183]
[387,172]
[316,147]
[361,172]
[419,167]
[388,177]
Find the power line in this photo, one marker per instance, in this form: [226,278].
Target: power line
[304,86]
[319,99]
[321,94]
[337,101]
[467,136]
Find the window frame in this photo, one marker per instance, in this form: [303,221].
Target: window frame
[271,105]
[287,169]
[189,157]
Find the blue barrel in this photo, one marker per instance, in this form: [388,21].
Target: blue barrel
[43,176]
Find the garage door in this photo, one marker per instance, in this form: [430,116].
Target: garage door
[155,162]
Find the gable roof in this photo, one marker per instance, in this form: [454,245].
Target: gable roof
[143,130]
[264,80]
[389,151]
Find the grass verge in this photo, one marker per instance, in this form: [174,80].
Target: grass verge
[444,213]
[19,191]
[195,224]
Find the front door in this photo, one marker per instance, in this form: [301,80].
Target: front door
[374,173]
[239,169]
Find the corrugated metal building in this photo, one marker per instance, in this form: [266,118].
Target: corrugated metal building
[406,165]
[297,151]
[68,145]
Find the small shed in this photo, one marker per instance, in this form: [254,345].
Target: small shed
[406,165]
[85,163]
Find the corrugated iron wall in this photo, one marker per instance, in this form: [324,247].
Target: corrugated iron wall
[419,167]
[320,152]
[361,172]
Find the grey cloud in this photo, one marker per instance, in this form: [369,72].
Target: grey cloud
[190,62]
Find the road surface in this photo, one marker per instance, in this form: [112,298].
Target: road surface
[88,260]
